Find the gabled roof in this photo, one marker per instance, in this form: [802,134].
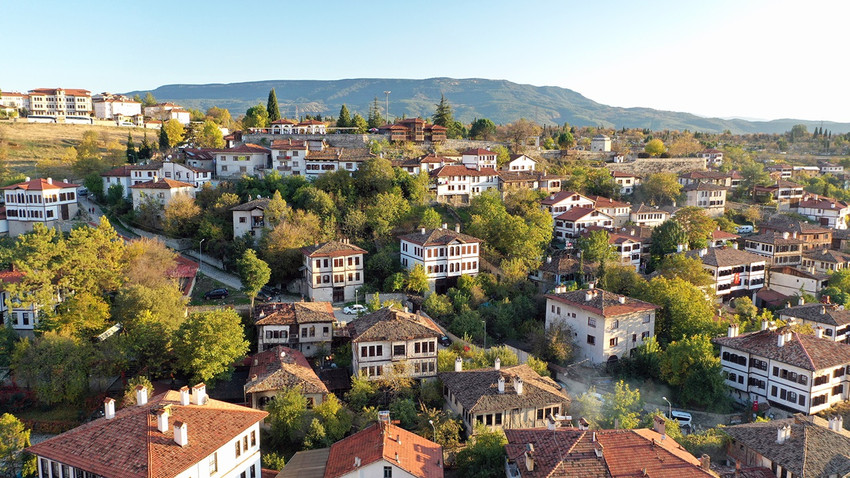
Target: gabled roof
[716,175]
[827,255]
[477,390]
[577,213]
[720,235]
[602,302]
[725,256]
[162,183]
[559,196]
[644,209]
[604,202]
[438,237]
[829,314]
[412,453]
[295,313]
[40,184]
[479,152]
[461,170]
[119,172]
[260,204]
[388,324]
[784,223]
[775,238]
[570,452]
[53,91]
[281,367]
[433,158]
[289,144]
[245,148]
[812,449]
[621,174]
[332,249]
[804,351]
[130,446]
[284,121]
[820,202]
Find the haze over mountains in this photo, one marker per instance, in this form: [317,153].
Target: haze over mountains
[500,100]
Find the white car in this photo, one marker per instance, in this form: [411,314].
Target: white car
[354,309]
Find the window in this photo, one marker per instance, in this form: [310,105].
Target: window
[615,324]
[398,349]
[388,472]
[253,438]
[591,340]
[213,463]
[245,441]
[591,322]
[613,342]
[646,319]
[238,449]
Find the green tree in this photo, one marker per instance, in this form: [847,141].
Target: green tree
[149,99]
[482,129]
[696,224]
[132,154]
[287,417]
[621,407]
[588,406]
[256,117]
[335,418]
[685,310]
[210,136]
[417,280]
[55,367]
[181,217]
[443,115]
[661,188]
[502,155]
[431,219]
[14,438]
[174,131]
[129,398]
[362,392]
[438,306]
[684,267]
[596,247]
[539,366]
[271,106]
[404,410]
[484,457]
[566,140]
[253,272]
[666,239]
[654,147]
[208,343]
[359,123]
[146,149]
[316,436]
[375,120]
[690,365]
[344,119]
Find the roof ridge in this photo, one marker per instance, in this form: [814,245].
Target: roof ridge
[812,362]
[149,445]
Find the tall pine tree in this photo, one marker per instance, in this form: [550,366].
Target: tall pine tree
[443,115]
[145,150]
[163,138]
[271,106]
[344,119]
[132,156]
[375,120]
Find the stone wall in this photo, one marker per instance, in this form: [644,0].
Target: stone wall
[336,140]
[645,166]
[461,145]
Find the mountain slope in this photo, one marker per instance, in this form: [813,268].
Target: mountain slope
[500,100]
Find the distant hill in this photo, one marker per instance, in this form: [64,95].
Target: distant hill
[501,101]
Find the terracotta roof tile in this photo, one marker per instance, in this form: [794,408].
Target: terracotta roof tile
[577,213]
[477,390]
[804,351]
[245,148]
[461,170]
[40,184]
[162,183]
[602,302]
[332,249]
[559,196]
[281,367]
[439,237]
[390,324]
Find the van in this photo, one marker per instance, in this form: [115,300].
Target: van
[684,418]
[744,229]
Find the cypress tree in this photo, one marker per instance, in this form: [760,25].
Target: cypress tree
[131,149]
[271,106]
[163,138]
[443,115]
[344,119]
[375,120]
[145,148]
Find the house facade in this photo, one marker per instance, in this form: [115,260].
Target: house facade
[247,159]
[479,158]
[780,249]
[168,111]
[627,181]
[44,201]
[711,198]
[831,318]
[21,318]
[520,162]
[643,215]
[161,191]
[825,211]
[280,368]
[571,224]
[303,326]
[812,235]
[794,281]
[826,260]
[333,271]
[606,326]
[459,184]
[735,273]
[250,218]
[445,255]
[560,202]
[793,371]
[618,210]
[60,102]
[389,341]
[108,106]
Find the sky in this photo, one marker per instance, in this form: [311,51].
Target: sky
[753,59]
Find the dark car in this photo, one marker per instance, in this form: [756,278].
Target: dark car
[445,341]
[266,294]
[216,294]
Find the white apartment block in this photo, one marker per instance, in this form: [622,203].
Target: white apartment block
[60,102]
[457,183]
[605,326]
[709,197]
[573,222]
[168,111]
[479,158]
[735,273]
[248,159]
[107,106]
[43,201]
[444,254]
[333,271]
[788,370]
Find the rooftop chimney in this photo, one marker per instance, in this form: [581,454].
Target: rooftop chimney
[501,384]
[836,423]
[783,433]
[445,225]
[184,395]
[27,179]
[458,364]
[356,462]
[518,386]
[780,339]
[819,332]
[764,324]
[162,420]
[457,227]
[588,295]
[498,363]
[49,180]
[705,462]
[548,259]
[529,458]
[109,408]
[422,231]
[141,395]
[384,416]
[181,435]
[802,301]
[622,299]
[733,330]
[199,394]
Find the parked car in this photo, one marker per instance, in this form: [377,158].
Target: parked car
[354,309]
[216,294]
[445,341]
[744,230]
[266,294]
[684,418]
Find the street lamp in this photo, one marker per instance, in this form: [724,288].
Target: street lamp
[388,105]
[485,333]
[670,406]
[200,257]
[355,294]
[433,428]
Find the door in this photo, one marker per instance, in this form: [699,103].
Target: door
[64,212]
[339,294]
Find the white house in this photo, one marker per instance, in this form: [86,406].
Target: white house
[832,318]
[304,326]
[161,191]
[709,197]
[643,215]
[826,167]
[479,158]
[711,156]
[333,271]
[249,218]
[791,281]
[108,106]
[781,249]
[390,341]
[520,162]
[288,155]
[458,183]
[825,260]
[735,273]
[571,223]
[620,211]
[627,181]
[174,435]
[247,159]
[283,126]
[330,159]
[627,247]
[39,200]
[606,326]
[788,370]
[444,254]
[60,102]
[826,211]
[560,202]
[168,111]
[600,144]
[21,319]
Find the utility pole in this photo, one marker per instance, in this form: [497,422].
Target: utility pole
[388,105]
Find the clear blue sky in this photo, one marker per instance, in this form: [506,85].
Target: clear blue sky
[756,59]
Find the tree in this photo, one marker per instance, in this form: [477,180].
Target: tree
[692,368]
[654,147]
[588,406]
[485,456]
[622,407]
[539,366]
[684,145]
[276,210]
[685,310]
[374,120]
[146,262]
[522,129]
[256,117]
[146,149]
[666,239]
[181,216]
[443,115]
[482,129]
[417,280]
[661,188]
[684,267]
[210,136]
[82,315]
[431,219]
[596,247]
[362,392]
[174,131]
[271,106]
[129,398]
[697,225]
[208,343]
[344,119]
[163,138]
[149,99]
[132,154]
[566,140]
[502,155]
[335,418]
[14,438]
[253,272]
[55,367]
[287,416]
[316,436]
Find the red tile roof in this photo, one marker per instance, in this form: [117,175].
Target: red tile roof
[557,197]
[183,268]
[460,170]
[119,172]
[603,202]
[479,152]
[719,235]
[163,183]
[576,213]
[130,446]
[289,144]
[332,249]
[282,367]
[602,302]
[10,277]
[620,174]
[245,148]
[804,351]
[820,202]
[40,184]
[68,91]
[410,452]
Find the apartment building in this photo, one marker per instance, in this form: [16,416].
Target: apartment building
[303,326]
[445,255]
[250,218]
[833,319]
[247,159]
[735,273]
[711,198]
[333,271]
[108,106]
[44,201]
[781,249]
[60,102]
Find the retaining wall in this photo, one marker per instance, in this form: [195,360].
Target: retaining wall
[645,166]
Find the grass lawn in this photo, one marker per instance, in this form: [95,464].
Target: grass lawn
[205,283]
[58,413]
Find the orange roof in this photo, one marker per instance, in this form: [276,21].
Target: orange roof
[163,183]
[383,441]
[41,184]
[10,277]
[130,446]
[245,148]
[68,91]
[479,152]
[310,122]
[460,170]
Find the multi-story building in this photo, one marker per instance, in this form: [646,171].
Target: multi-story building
[559,268]
[787,194]
[425,163]
[779,171]
[108,106]
[333,271]
[414,130]
[792,371]
[479,158]
[445,255]
[569,225]
[21,318]
[705,177]
[389,341]
[60,102]
[627,181]
[328,160]
[250,218]
[201,158]
[510,181]
[132,174]
[826,260]
[794,281]
[826,211]
[812,235]
[161,191]
[735,273]
[627,248]
[560,202]
[247,159]
[832,318]
[721,238]
[14,100]
[709,197]
[600,144]
[280,368]
[288,155]
[781,249]
[826,167]
[620,211]
[304,326]
[458,183]
[174,435]
[44,201]
[606,326]
[643,215]
[520,162]
[502,398]
[712,156]
[799,446]
[168,111]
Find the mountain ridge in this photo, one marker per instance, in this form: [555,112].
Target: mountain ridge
[502,101]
